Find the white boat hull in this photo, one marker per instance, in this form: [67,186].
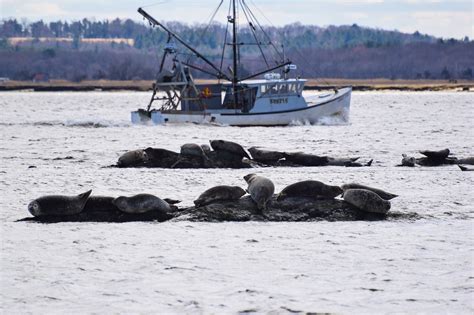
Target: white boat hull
[331,105]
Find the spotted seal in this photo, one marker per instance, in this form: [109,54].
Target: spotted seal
[310,189]
[261,189]
[58,205]
[219,193]
[366,200]
[383,194]
[141,203]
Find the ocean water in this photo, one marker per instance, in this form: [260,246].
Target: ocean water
[61,143]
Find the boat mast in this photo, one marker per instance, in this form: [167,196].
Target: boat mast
[235,78]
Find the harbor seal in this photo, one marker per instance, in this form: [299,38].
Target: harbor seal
[341,161]
[310,189]
[367,200]
[468,160]
[306,159]
[383,194]
[229,146]
[100,204]
[193,149]
[58,205]
[465,169]
[219,193]
[264,156]
[132,158]
[436,155]
[141,203]
[408,161]
[161,157]
[357,164]
[261,190]
[206,148]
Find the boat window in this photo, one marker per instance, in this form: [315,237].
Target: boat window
[283,89]
[274,89]
[246,98]
[300,88]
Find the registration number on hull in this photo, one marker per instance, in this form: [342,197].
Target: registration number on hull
[279,101]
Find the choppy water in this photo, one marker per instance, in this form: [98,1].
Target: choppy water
[346,267]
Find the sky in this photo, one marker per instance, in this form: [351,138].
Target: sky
[441,18]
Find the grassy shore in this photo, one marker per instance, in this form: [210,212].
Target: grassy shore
[312,84]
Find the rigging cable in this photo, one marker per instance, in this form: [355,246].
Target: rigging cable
[209,24]
[252,28]
[302,56]
[261,28]
[225,39]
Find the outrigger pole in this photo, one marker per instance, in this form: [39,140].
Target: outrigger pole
[219,75]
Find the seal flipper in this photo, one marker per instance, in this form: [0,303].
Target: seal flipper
[84,197]
[171,201]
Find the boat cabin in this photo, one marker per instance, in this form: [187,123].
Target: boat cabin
[252,96]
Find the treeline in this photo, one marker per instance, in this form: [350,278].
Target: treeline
[332,52]
[212,36]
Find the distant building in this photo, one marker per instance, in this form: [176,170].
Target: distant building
[3,79]
[41,77]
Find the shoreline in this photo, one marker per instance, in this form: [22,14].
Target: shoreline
[311,85]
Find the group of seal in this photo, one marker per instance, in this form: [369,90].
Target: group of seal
[435,158]
[228,154]
[58,204]
[260,189]
[61,205]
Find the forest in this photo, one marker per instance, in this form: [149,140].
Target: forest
[81,50]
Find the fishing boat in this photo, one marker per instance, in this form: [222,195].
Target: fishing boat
[269,97]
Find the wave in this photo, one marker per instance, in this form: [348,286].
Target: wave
[85,123]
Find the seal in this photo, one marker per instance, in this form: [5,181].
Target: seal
[206,148]
[383,194]
[58,205]
[306,159]
[161,157]
[229,146]
[408,161]
[341,161]
[132,158]
[465,169]
[100,204]
[261,190]
[367,200]
[357,164]
[141,203]
[468,160]
[265,156]
[193,149]
[219,193]
[436,155]
[310,189]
